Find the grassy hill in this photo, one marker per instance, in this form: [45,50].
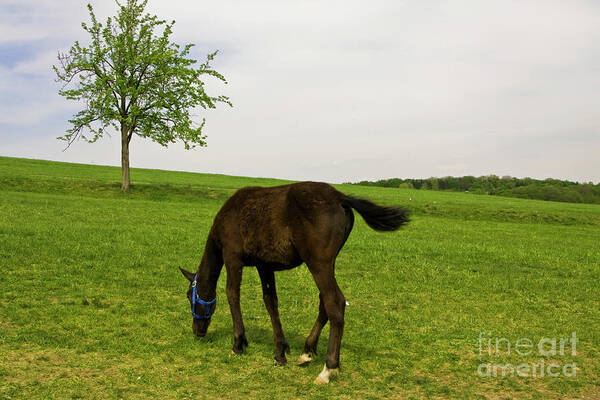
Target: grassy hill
[92,304]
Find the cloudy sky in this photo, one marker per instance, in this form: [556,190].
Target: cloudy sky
[343,90]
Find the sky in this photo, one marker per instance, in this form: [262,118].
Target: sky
[341,91]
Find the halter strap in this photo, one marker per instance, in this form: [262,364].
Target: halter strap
[197,300]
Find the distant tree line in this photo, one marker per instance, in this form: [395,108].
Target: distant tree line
[527,188]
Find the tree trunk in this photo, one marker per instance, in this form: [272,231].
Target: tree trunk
[126,182]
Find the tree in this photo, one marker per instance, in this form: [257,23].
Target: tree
[136,81]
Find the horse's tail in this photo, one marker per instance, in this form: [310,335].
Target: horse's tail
[378,217]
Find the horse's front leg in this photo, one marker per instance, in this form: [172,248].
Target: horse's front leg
[234,280]
[267,278]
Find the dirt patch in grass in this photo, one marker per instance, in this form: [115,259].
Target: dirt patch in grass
[45,365]
[66,373]
[592,393]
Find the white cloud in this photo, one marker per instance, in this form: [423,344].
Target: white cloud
[353,90]
[40,65]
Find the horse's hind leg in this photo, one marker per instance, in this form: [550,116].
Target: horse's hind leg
[310,347]
[267,278]
[234,280]
[335,304]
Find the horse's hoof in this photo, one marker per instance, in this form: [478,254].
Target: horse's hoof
[239,344]
[280,361]
[321,381]
[304,359]
[280,351]
[326,375]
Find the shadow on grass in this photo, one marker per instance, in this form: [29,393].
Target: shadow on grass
[263,338]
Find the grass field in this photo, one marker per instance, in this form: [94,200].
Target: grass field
[92,304]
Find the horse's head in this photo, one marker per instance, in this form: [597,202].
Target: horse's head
[202,310]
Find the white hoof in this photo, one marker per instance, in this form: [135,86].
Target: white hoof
[326,375]
[304,358]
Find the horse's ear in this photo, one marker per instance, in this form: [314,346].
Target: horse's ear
[189,275]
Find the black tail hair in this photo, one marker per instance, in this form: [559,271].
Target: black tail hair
[377,217]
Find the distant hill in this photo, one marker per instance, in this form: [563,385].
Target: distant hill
[527,188]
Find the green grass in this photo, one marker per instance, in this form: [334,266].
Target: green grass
[92,305]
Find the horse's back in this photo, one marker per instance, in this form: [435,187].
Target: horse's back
[252,225]
[273,225]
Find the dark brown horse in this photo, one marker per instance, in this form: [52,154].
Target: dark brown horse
[279,228]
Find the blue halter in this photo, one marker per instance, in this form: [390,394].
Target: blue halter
[197,300]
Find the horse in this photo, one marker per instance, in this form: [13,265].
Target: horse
[278,228]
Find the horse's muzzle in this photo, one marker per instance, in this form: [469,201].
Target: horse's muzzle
[199,327]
